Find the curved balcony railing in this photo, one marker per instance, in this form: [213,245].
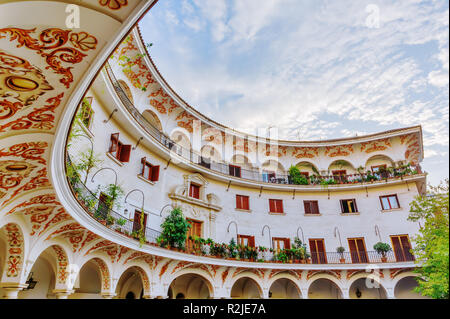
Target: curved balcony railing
[101,211]
[255,175]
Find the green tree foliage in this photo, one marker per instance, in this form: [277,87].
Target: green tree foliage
[296,177]
[174,229]
[432,242]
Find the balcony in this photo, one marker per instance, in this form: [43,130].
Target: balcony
[101,211]
[195,158]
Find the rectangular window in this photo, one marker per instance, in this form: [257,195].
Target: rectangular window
[357,250]
[402,248]
[389,202]
[276,206]
[194,231]
[242,202]
[137,221]
[235,171]
[317,248]
[281,243]
[194,191]
[245,240]
[149,171]
[348,206]
[87,112]
[119,150]
[311,207]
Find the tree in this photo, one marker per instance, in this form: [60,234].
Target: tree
[174,229]
[432,242]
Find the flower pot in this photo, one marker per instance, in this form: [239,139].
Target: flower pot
[383,259]
[309,261]
[302,261]
[103,222]
[342,260]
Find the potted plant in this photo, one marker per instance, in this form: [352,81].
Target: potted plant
[382,249]
[340,251]
[120,222]
[174,229]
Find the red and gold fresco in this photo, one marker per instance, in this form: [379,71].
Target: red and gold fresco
[15,251]
[61,264]
[413,147]
[305,152]
[113,4]
[373,146]
[185,120]
[334,273]
[59,47]
[340,150]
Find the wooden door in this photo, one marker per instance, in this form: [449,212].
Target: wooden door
[358,250]
[137,221]
[402,248]
[194,231]
[317,248]
[281,243]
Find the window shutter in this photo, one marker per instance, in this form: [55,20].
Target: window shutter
[342,206]
[114,142]
[316,207]
[307,207]
[238,202]
[280,207]
[354,203]
[271,206]
[287,243]
[251,241]
[246,203]
[155,173]
[125,153]
[143,161]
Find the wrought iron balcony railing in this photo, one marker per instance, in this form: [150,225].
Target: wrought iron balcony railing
[256,175]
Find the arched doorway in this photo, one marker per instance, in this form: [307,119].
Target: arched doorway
[404,289]
[89,282]
[153,119]
[130,284]
[361,290]
[246,288]
[284,288]
[190,286]
[324,288]
[44,273]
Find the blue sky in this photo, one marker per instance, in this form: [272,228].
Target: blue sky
[315,69]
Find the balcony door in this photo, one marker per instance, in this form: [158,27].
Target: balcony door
[402,247]
[358,250]
[194,231]
[317,248]
[281,243]
[137,221]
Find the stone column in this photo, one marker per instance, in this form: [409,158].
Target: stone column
[11,290]
[390,293]
[345,293]
[304,293]
[62,293]
[108,295]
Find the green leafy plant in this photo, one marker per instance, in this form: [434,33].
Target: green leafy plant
[121,221]
[174,229]
[87,161]
[382,248]
[282,256]
[297,177]
[432,242]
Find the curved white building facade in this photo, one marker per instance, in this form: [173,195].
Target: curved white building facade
[60,233]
